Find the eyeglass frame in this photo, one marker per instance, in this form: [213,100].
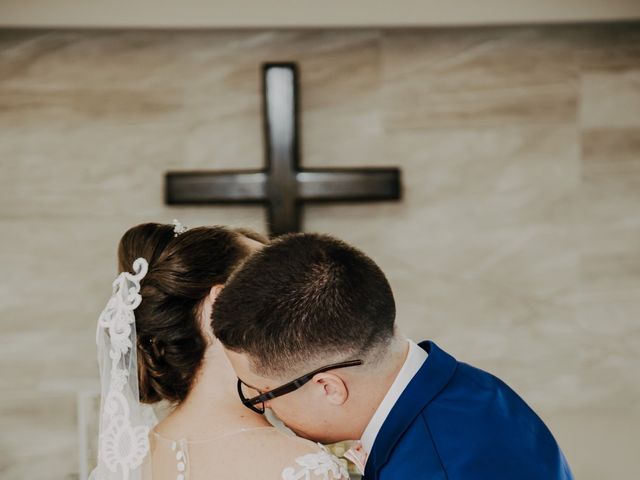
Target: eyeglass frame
[288,387]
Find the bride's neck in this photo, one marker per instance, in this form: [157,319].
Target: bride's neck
[216,380]
[212,405]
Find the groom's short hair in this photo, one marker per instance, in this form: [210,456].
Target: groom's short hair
[303,298]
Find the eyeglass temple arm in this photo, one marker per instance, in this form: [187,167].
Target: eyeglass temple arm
[299,382]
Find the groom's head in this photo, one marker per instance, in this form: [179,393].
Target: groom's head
[306,302]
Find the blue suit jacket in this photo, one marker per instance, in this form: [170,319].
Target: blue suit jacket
[456,422]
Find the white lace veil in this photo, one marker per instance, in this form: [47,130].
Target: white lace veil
[125,423]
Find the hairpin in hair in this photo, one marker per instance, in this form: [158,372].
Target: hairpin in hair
[178,228]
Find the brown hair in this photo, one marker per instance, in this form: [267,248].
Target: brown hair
[182,270]
[305,297]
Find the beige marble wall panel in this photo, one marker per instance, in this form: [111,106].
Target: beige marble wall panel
[608,47]
[39,437]
[515,245]
[479,78]
[610,99]
[611,153]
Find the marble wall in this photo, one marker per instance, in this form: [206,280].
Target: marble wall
[516,245]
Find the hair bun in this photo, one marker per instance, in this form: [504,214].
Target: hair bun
[182,271]
[149,376]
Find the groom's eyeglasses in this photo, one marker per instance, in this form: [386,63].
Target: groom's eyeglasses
[255,402]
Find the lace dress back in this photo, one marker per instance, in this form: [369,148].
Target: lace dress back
[264,453]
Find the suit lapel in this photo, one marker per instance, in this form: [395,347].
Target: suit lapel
[432,377]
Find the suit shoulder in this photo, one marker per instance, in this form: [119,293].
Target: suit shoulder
[479,414]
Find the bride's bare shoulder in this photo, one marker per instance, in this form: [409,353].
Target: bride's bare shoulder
[262,452]
[292,458]
[303,459]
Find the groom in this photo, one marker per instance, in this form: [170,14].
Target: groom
[309,327]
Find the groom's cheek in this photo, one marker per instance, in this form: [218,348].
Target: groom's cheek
[285,412]
[295,414]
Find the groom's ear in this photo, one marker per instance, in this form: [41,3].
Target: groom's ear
[334,389]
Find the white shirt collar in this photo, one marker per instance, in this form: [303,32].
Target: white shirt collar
[415,359]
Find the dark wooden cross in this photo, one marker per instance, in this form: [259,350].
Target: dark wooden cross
[283,185]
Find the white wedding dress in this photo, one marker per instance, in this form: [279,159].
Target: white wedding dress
[263,453]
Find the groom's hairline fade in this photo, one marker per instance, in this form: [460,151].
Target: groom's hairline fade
[340,291]
[373,359]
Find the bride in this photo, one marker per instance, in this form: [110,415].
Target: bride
[155,344]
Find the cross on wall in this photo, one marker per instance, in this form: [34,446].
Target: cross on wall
[283,185]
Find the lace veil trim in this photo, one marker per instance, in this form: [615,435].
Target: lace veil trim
[125,423]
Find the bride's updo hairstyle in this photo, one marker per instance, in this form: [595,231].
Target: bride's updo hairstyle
[182,270]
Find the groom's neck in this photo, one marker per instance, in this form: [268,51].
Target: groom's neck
[377,381]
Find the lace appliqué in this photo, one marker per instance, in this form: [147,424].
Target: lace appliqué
[321,464]
[123,446]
